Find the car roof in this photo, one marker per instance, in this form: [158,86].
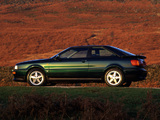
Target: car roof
[86,46]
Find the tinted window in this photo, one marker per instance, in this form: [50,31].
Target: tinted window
[100,51]
[67,53]
[75,53]
[120,51]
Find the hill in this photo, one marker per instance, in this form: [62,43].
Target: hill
[33,30]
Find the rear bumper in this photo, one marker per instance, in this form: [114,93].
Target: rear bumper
[136,74]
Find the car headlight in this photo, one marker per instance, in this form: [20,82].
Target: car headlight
[16,67]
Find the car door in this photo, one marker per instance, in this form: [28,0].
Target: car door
[72,63]
[99,59]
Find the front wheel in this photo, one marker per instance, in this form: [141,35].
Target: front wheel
[114,77]
[36,77]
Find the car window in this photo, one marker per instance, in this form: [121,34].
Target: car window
[100,51]
[122,52]
[67,53]
[75,53]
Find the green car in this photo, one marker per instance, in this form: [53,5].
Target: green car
[108,64]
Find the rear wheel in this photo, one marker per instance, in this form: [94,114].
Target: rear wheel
[114,77]
[36,77]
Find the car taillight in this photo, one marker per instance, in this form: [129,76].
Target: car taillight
[135,62]
[140,62]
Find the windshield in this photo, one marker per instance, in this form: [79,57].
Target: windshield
[59,53]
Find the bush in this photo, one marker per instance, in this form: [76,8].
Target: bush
[38,107]
[6,77]
[150,110]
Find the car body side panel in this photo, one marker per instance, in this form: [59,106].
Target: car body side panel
[42,66]
[98,66]
[68,68]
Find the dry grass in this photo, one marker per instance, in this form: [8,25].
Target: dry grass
[36,1]
[6,77]
[39,28]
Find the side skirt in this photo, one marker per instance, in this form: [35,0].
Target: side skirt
[76,80]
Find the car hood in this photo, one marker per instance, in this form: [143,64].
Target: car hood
[34,61]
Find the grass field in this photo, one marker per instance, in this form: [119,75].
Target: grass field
[73,103]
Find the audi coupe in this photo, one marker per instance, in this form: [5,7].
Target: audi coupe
[92,63]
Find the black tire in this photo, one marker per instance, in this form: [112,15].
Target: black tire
[36,77]
[114,77]
[127,83]
[51,83]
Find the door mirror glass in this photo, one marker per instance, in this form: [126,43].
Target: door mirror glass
[56,57]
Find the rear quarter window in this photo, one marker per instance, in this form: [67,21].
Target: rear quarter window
[101,52]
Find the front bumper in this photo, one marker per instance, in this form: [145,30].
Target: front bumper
[19,75]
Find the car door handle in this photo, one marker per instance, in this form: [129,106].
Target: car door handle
[83,61]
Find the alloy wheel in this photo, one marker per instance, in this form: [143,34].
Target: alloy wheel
[114,77]
[36,78]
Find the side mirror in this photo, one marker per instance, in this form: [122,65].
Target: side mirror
[57,57]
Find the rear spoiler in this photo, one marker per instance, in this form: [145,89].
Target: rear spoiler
[136,56]
[141,56]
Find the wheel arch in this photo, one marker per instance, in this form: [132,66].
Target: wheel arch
[114,66]
[35,67]
[120,70]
